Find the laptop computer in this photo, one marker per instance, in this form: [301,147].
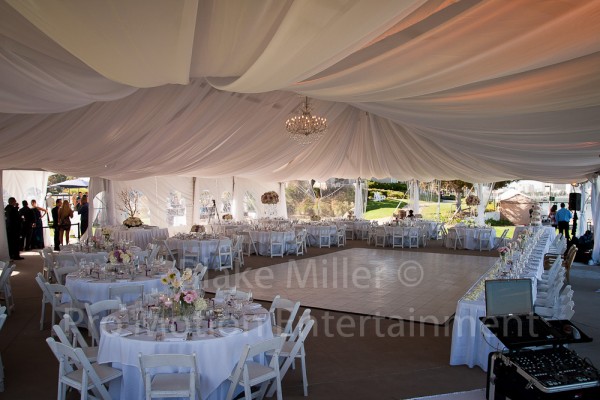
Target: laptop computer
[510,315]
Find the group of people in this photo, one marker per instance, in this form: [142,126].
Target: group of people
[561,219]
[61,217]
[24,226]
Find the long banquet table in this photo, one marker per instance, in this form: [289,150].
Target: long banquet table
[471,341]
[216,356]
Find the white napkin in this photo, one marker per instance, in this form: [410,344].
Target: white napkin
[108,320]
[174,337]
[229,331]
[121,332]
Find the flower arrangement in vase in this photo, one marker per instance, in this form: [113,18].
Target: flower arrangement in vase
[129,199]
[119,256]
[227,217]
[269,198]
[182,301]
[472,200]
[503,251]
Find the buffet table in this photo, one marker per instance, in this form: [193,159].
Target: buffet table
[471,341]
[217,351]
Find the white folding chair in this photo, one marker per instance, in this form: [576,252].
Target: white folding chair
[73,307]
[3,317]
[190,253]
[278,306]
[126,294]
[341,236]
[455,236]
[199,274]
[248,244]
[76,371]
[158,383]
[397,236]
[48,267]
[60,273]
[293,349]
[46,296]
[6,295]
[223,257]
[248,373]
[500,241]
[484,239]
[380,236]
[68,333]
[297,244]
[324,237]
[276,244]
[95,312]
[238,251]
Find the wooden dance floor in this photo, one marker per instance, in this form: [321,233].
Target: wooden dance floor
[418,286]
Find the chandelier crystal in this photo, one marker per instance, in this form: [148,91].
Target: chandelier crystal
[305,128]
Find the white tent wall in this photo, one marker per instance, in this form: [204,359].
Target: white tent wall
[174,202]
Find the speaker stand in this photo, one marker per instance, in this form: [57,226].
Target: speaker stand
[574,231]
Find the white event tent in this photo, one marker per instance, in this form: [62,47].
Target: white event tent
[192,90]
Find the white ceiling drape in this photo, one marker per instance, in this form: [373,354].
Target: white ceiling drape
[473,90]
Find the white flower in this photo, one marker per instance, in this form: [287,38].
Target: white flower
[187,275]
[200,304]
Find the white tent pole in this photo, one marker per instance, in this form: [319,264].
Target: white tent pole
[439,200]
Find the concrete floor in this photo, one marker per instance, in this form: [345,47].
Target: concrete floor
[349,356]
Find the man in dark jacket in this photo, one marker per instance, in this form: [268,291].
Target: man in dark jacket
[56,223]
[13,228]
[28,217]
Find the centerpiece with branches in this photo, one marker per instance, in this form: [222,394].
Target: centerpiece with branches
[129,204]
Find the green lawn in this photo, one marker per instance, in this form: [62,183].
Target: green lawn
[382,209]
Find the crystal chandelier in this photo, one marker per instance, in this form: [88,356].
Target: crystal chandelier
[304,127]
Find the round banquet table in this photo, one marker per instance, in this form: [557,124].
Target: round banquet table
[312,233]
[91,290]
[208,249]
[216,356]
[141,237]
[262,241]
[470,238]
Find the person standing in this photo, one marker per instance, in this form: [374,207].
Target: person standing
[64,217]
[84,213]
[552,216]
[13,228]
[38,231]
[563,218]
[56,224]
[27,226]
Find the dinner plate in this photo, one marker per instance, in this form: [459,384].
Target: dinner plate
[254,306]
[230,331]
[121,332]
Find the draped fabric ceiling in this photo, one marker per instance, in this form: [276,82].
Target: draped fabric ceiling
[428,89]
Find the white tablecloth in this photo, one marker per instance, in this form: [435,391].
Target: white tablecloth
[312,233]
[139,236]
[470,240]
[262,239]
[215,356]
[91,290]
[469,336]
[208,247]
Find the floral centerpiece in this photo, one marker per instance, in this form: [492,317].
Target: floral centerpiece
[315,218]
[132,222]
[227,217]
[129,204]
[269,198]
[120,257]
[198,229]
[472,200]
[182,301]
[503,251]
